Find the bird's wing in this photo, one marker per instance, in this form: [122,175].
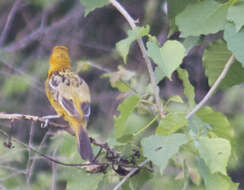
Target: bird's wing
[71,93]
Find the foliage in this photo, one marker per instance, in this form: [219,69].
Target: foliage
[180,151]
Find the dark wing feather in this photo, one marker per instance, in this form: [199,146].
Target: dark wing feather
[69,107]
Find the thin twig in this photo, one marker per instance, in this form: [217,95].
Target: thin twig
[132,24]
[9,22]
[32,164]
[213,88]
[12,169]
[29,163]
[16,116]
[129,174]
[54,173]
[35,35]
[48,157]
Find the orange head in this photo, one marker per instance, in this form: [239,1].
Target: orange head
[59,59]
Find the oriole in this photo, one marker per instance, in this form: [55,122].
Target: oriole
[70,97]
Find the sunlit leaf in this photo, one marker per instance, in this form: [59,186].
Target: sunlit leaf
[168,57]
[171,123]
[215,152]
[125,109]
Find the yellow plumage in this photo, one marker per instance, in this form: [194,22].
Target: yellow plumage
[70,97]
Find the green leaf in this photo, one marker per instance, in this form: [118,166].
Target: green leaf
[188,88]
[214,59]
[78,178]
[125,109]
[168,57]
[171,123]
[221,125]
[176,6]
[215,152]
[235,14]
[91,5]
[235,41]
[215,181]
[15,84]
[123,46]
[159,149]
[202,18]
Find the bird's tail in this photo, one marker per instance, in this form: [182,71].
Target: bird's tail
[84,145]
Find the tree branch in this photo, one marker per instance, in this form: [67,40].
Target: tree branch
[112,156]
[132,24]
[17,116]
[35,35]
[213,88]
[9,22]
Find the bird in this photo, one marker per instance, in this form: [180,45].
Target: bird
[69,95]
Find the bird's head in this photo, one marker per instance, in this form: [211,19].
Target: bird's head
[59,59]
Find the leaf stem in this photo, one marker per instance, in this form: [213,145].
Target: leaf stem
[132,24]
[213,88]
[144,128]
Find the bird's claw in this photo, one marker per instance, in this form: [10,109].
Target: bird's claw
[45,124]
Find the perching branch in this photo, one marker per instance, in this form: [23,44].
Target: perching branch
[120,165]
[213,88]
[132,24]
[16,116]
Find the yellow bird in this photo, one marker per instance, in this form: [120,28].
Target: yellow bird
[70,97]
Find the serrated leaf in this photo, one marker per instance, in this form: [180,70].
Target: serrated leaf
[214,59]
[171,123]
[215,152]
[125,109]
[235,14]
[215,181]
[188,88]
[91,5]
[235,41]
[202,17]
[123,46]
[159,149]
[79,179]
[219,122]
[168,57]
